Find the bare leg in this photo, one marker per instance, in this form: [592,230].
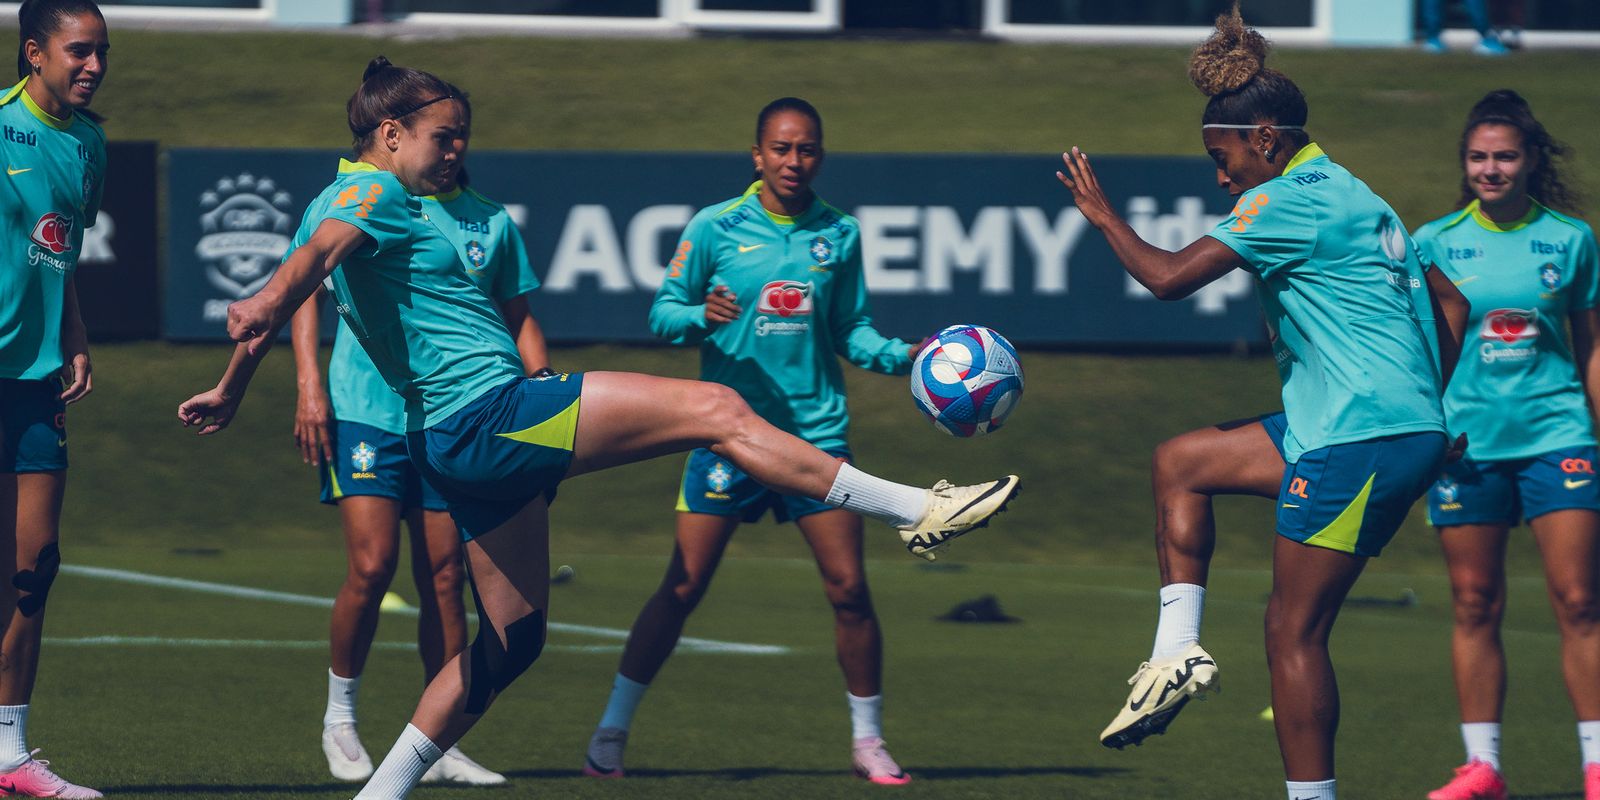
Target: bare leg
[1570,542]
[835,538]
[701,538]
[1309,585]
[371,538]
[1187,471]
[436,570]
[28,564]
[1475,556]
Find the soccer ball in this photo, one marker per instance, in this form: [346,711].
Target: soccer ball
[967,380]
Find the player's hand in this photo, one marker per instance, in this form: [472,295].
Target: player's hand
[76,379]
[1080,178]
[923,345]
[313,426]
[1457,451]
[212,411]
[720,306]
[250,322]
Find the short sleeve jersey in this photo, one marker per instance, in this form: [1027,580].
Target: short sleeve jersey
[799,282]
[495,260]
[1516,392]
[432,334]
[1342,288]
[55,169]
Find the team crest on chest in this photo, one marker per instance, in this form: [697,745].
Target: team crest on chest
[821,250]
[476,255]
[1550,276]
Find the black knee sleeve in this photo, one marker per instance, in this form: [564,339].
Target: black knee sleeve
[33,585]
[496,665]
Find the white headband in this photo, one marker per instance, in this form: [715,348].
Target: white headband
[1252,126]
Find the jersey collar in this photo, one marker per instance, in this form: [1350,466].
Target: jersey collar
[779,219]
[1307,154]
[445,197]
[33,108]
[1534,210]
[346,165]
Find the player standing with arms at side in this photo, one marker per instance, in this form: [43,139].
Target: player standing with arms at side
[798,261]
[1524,394]
[495,443]
[361,451]
[55,160]
[1349,316]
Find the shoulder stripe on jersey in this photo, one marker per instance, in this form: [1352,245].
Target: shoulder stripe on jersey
[475,193]
[1583,227]
[1451,222]
[748,193]
[12,94]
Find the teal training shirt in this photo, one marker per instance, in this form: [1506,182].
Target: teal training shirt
[1516,392]
[1343,291]
[432,334]
[798,281]
[55,169]
[495,259]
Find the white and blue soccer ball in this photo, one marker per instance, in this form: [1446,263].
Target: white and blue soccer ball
[968,379]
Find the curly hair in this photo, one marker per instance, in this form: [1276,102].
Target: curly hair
[1230,67]
[1506,107]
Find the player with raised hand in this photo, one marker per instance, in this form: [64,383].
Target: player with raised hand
[1524,394]
[494,443]
[795,262]
[55,159]
[360,449]
[1350,315]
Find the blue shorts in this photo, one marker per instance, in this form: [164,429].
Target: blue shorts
[502,450]
[372,462]
[712,485]
[1353,497]
[1504,492]
[33,426]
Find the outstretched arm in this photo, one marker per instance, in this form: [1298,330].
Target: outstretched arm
[1168,275]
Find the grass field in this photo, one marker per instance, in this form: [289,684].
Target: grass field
[160,690]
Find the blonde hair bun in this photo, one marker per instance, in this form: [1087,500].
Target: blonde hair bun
[1229,58]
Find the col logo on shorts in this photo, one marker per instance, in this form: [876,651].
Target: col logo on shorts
[713,485]
[33,426]
[1353,497]
[1505,492]
[372,462]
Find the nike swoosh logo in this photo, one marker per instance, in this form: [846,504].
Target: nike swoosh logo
[844,499]
[10,171]
[745,248]
[1291,505]
[1468,279]
[1170,602]
[420,757]
[63,443]
[976,500]
[11,722]
[1572,484]
[1138,704]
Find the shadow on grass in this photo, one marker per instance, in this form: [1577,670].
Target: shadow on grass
[1562,796]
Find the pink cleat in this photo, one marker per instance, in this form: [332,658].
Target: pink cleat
[871,759]
[604,759]
[34,779]
[1591,782]
[1474,780]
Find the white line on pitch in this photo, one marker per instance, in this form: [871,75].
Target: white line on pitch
[691,643]
[270,644]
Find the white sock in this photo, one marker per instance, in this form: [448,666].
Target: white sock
[625,696]
[895,503]
[866,716]
[341,700]
[1588,740]
[1310,790]
[400,771]
[1483,742]
[13,737]
[1182,606]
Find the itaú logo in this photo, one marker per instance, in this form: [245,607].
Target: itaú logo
[52,232]
[786,299]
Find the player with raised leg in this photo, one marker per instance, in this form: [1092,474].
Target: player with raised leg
[360,450]
[793,260]
[1525,395]
[494,443]
[1350,310]
[55,168]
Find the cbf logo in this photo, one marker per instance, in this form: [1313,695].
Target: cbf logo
[476,255]
[821,250]
[363,457]
[245,228]
[1550,276]
[719,478]
[1446,491]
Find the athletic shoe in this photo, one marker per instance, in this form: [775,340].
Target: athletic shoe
[605,753]
[1433,45]
[1173,681]
[1474,780]
[1490,46]
[871,759]
[455,767]
[347,759]
[34,779]
[1591,782]
[954,510]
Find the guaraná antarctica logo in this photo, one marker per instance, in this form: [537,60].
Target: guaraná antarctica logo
[245,227]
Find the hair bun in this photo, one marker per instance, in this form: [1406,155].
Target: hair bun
[375,66]
[1229,58]
[1500,103]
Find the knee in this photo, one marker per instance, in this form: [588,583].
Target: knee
[850,598]
[447,577]
[1478,604]
[722,407]
[683,596]
[1172,464]
[32,584]
[370,573]
[495,665]
[1576,606]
